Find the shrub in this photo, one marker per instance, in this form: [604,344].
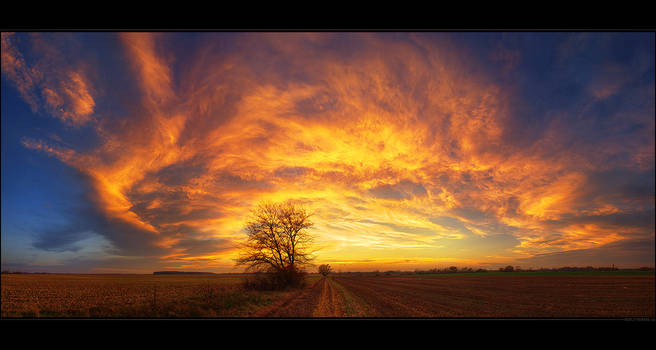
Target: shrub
[276,280]
[325,269]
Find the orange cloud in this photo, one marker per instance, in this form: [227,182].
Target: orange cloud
[377,142]
[153,72]
[63,92]
[15,68]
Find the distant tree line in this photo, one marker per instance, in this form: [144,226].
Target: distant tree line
[587,268]
[509,268]
[450,269]
[182,273]
[5,272]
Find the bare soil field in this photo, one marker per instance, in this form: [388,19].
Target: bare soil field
[338,296]
[512,296]
[129,296]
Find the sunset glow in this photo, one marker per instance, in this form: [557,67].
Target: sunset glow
[137,152]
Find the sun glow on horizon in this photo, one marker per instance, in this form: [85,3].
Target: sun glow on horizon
[408,152]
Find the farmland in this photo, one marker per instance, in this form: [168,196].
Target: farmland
[107,296]
[497,295]
[507,295]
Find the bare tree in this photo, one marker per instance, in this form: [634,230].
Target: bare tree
[325,269]
[278,241]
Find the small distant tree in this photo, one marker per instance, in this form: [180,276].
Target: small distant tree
[453,269]
[508,269]
[325,269]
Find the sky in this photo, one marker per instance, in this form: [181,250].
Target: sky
[139,152]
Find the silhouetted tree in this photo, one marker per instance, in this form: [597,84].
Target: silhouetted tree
[325,269]
[278,243]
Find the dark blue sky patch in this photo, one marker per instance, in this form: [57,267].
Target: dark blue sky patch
[232,181]
[620,186]
[175,210]
[181,173]
[622,254]
[623,222]
[205,246]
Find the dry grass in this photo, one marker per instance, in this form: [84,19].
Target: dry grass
[128,296]
[451,296]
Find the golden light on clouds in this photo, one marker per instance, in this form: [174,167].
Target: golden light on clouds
[397,147]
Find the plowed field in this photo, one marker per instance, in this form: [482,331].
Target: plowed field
[473,297]
[505,296]
[337,296]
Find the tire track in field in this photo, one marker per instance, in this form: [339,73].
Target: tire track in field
[331,303]
[354,305]
[321,299]
[299,304]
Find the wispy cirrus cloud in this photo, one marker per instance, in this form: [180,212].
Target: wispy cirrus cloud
[51,85]
[399,142]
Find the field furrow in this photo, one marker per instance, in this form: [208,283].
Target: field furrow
[511,296]
[335,296]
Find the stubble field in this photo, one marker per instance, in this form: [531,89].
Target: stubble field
[344,296]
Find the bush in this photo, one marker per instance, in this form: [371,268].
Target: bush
[276,280]
[325,269]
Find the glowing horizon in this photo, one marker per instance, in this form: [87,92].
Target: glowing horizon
[413,150]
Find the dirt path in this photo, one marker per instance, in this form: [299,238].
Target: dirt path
[324,298]
[331,302]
